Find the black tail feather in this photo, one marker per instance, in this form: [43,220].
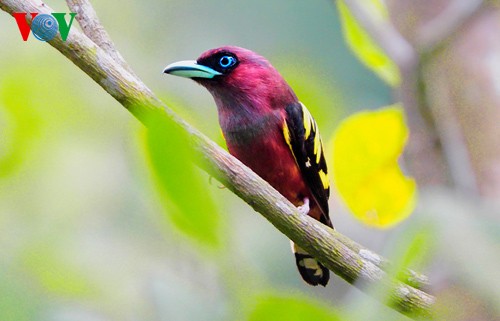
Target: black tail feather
[310,269]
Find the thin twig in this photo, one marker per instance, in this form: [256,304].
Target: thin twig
[92,28]
[430,38]
[319,240]
[384,34]
[420,152]
[424,133]
[435,32]
[454,146]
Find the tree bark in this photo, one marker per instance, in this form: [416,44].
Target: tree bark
[459,76]
[347,259]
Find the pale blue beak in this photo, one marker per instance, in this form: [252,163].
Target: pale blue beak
[190,69]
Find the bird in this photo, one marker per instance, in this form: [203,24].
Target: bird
[269,130]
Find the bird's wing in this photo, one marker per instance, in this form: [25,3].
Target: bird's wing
[302,136]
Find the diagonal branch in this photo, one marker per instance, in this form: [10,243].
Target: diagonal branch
[88,17]
[337,252]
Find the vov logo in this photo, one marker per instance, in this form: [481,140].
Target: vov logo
[44,26]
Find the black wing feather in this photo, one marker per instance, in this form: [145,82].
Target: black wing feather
[305,142]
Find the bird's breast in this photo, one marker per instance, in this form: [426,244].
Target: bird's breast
[246,127]
[268,155]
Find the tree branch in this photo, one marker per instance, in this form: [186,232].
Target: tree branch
[384,34]
[430,38]
[337,252]
[438,30]
[420,153]
[425,129]
[92,28]
[88,17]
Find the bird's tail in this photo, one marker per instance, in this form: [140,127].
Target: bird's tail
[309,268]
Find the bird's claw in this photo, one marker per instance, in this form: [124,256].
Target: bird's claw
[304,208]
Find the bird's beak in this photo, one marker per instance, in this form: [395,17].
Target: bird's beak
[190,69]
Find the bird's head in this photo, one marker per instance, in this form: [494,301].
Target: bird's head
[236,76]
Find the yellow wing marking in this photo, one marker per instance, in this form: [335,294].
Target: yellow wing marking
[317,144]
[324,179]
[311,126]
[308,121]
[320,149]
[286,133]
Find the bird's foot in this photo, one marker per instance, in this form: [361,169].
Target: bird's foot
[304,208]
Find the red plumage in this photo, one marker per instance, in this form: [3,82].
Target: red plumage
[252,100]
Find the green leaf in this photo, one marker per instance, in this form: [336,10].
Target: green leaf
[366,147]
[414,248]
[19,124]
[290,308]
[19,300]
[56,275]
[367,51]
[184,193]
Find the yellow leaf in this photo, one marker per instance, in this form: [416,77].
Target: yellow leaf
[367,146]
[367,51]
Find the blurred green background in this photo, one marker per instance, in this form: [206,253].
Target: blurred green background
[83,234]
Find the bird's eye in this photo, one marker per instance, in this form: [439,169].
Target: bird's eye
[227,61]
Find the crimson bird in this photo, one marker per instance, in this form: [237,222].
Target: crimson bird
[267,128]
